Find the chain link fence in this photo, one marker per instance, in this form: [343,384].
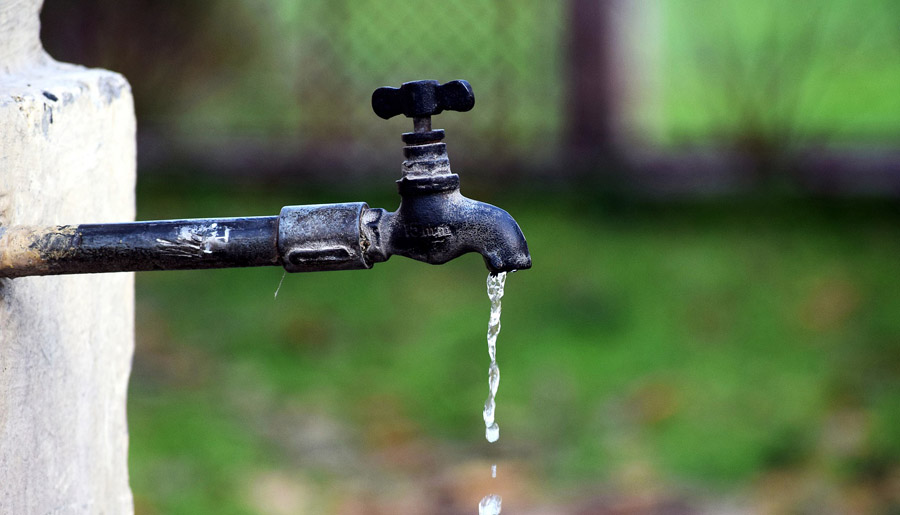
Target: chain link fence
[699,94]
[286,85]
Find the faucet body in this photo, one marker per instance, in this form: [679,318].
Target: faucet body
[434,223]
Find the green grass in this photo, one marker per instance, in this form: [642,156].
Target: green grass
[819,70]
[714,342]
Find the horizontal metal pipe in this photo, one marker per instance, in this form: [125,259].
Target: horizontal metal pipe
[138,246]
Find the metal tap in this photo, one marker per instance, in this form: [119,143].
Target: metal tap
[434,222]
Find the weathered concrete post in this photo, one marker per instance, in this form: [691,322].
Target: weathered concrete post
[67,155]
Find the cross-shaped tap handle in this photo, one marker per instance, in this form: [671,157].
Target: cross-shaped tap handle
[423,99]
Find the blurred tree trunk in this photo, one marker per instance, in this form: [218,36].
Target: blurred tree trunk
[590,127]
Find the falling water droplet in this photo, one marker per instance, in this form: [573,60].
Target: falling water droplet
[490,505]
[492,433]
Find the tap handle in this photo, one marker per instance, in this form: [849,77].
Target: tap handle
[423,98]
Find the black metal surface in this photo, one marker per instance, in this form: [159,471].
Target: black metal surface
[137,246]
[440,226]
[421,138]
[422,99]
[434,223]
[322,237]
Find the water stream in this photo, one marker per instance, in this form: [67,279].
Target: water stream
[495,284]
[490,504]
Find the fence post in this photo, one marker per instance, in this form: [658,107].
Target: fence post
[612,84]
[67,155]
[590,82]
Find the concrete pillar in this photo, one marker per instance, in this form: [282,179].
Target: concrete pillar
[67,155]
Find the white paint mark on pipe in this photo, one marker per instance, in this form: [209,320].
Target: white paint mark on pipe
[196,240]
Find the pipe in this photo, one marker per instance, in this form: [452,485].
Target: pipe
[138,246]
[302,239]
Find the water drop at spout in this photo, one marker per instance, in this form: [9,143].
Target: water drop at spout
[495,283]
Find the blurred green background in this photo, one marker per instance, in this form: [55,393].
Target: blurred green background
[709,192]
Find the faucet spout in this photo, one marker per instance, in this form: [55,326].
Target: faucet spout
[494,234]
[506,250]
[436,228]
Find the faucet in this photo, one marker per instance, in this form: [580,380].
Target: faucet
[434,223]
